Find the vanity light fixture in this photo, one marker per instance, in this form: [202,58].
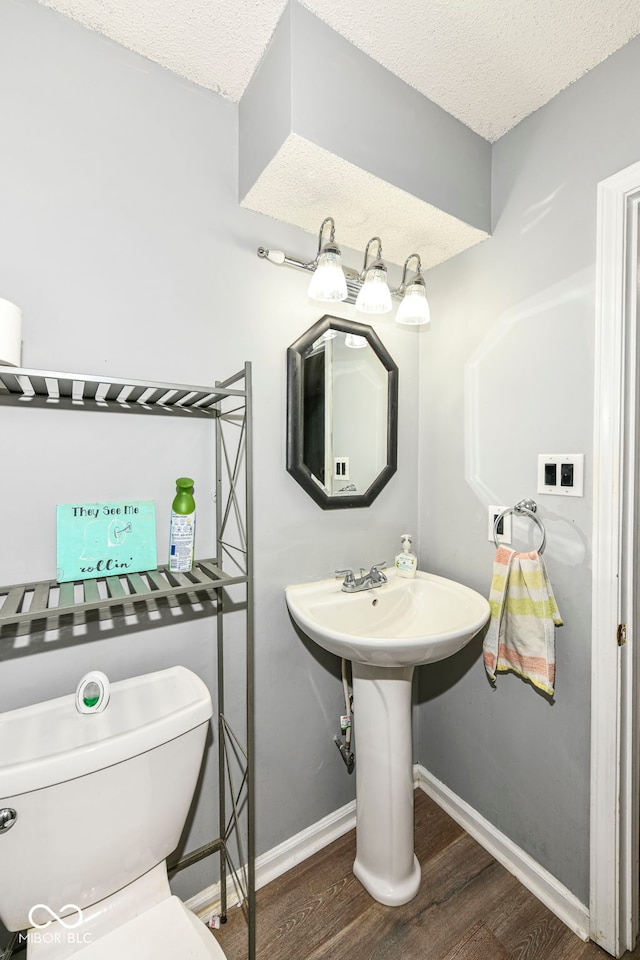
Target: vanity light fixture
[414,308]
[354,341]
[328,282]
[367,289]
[374,296]
[326,336]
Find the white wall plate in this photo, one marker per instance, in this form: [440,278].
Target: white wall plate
[561,474]
[493,512]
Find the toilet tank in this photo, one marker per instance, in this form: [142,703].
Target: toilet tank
[100,798]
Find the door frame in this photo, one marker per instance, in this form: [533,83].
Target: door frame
[615,808]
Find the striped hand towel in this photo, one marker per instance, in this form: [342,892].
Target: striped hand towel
[524,615]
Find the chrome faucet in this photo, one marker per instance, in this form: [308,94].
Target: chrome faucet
[366,581]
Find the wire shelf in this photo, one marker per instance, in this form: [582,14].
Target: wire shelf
[28,602]
[44,388]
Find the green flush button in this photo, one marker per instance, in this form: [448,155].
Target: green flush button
[91,694]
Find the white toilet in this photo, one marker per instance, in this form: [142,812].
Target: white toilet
[91,805]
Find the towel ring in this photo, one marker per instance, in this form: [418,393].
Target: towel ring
[524,508]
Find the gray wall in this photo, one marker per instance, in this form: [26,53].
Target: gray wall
[506,373]
[124,244]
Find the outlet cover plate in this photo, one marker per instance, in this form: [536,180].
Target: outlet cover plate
[568,469]
[341,468]
[493,512]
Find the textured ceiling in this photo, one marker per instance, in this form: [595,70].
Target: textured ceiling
[488,62]
[362,205]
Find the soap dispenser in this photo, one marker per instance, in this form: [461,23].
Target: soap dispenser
[406,562]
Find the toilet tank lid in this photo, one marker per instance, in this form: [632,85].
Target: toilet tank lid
[51,742]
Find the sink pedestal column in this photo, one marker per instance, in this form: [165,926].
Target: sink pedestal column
[385,863]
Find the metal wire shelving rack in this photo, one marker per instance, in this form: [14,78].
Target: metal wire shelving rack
[30,606]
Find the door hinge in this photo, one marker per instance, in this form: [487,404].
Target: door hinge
[621,634]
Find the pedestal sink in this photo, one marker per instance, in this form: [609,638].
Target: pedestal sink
[386,632]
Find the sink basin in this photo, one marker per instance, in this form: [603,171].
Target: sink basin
[402,623]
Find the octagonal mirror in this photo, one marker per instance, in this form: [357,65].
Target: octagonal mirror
[342,413]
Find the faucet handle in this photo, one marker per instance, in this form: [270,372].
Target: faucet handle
[347,574]
[376,573]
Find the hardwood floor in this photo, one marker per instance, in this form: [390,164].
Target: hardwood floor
[468,908]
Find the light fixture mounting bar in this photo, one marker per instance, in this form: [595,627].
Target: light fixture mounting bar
[354,281]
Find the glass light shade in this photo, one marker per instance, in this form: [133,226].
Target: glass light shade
[328,282]
[353,340]
[374,295]
[414,308]
[326,336]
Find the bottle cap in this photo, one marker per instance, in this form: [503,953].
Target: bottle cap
[185,483]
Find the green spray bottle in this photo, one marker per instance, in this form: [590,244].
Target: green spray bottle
[183,527]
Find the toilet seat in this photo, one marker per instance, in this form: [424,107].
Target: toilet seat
[164,932]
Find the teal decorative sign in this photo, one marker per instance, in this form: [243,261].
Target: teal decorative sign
[105,539]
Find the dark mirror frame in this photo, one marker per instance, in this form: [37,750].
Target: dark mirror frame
[295,426]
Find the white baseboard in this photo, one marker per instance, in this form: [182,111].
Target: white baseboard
[535,878]
[278,860]
[564,904]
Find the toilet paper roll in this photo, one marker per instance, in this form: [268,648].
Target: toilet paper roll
[10,333]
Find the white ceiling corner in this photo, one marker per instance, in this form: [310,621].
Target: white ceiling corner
[489,63]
